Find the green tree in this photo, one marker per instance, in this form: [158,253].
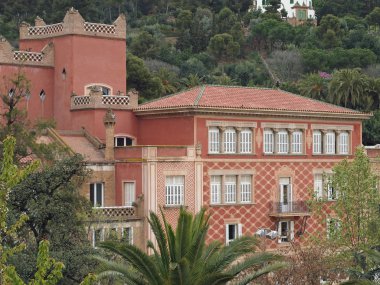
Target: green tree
[182,256]
[348,88]
[314,86]
[224,21]
[356,209]
[371,129]
[201,29]
[144,45]
[223,47]
[373,18]
[56,212]
[183,20]
[273,7]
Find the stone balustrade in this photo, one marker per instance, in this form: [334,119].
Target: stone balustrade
[115,102]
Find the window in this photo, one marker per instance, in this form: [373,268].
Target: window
[230,189]
[332,227]
[229,140]
[285,231]
[96,194]
[317,142]
[127,235]
[174,190]
[97,236]
[330,142]
[301,15]
[343,143]
[216,185]
[122,141]
[268,141]
[246,141]
[297,142]
[112,234]
[245,188]
[105,90]
[213,140]
[318,186]
[282,142]
[332,193]
[129,193]
[233,231]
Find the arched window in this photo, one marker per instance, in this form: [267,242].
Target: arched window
[121,141]
[96,87]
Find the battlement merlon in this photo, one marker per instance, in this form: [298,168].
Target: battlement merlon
[9,56]
[74,24]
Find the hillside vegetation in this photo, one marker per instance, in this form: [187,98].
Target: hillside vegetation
[177,44]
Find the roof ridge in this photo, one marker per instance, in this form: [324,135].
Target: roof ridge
[200,94]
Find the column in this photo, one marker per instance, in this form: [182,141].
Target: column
[275,146]
[253,140]
[221,138]
[222,190]
[238,132]
[238,181]
[290,140]
[323,141]
[337,141]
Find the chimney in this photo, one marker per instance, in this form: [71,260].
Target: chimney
[109,121]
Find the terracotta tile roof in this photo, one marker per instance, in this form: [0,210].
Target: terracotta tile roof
[248,98]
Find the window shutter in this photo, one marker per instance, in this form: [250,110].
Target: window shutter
[291,230]
[92,194]
[227,234]
[279,232]
[240,230]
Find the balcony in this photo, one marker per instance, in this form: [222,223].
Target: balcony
[115,213]
[290,209]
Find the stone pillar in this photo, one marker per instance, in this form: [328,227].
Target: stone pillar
[238,132]
[275,146]
[323,142]
[238,188]
[38,21]
[109,121]
[337,141]
[221,139]
[290,140]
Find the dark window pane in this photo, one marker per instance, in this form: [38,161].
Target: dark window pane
[92,194]
[128,141]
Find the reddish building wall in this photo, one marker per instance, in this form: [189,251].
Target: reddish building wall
[127,172]
[166,131]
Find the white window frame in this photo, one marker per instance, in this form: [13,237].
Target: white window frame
[98,186]
[317,142]
[318,185]
[87,88]
[290,235]
[213,140]
[215,189]
[246,141]
[330,142]
[297,142]
[102,235]
[124,138]
[229,136]
[130,241]
[282,142]
[343,143]
[268,141]
[245,188]
[238,232]
[230,189]
[129,198]
[174,190]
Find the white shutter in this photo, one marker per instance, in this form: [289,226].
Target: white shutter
[279,231]
[318,185]
[226,234]
[240,230]
[291,230]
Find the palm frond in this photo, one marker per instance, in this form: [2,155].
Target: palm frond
[265,270]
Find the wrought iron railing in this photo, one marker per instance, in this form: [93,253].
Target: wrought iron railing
[290,207]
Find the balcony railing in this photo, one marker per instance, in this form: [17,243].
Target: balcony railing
[114,213]
[100,101]
[294,208]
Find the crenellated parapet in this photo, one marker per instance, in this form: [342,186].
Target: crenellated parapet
[73,24]
[9,56]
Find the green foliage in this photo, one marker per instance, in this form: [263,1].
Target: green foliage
[371,127]
[182,256]
[223,47]
[144,45]
[314,86]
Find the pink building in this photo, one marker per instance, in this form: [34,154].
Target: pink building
[252,156]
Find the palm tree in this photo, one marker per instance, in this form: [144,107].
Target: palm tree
[313,86]
[183,257]
[192,80]
[348,88]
